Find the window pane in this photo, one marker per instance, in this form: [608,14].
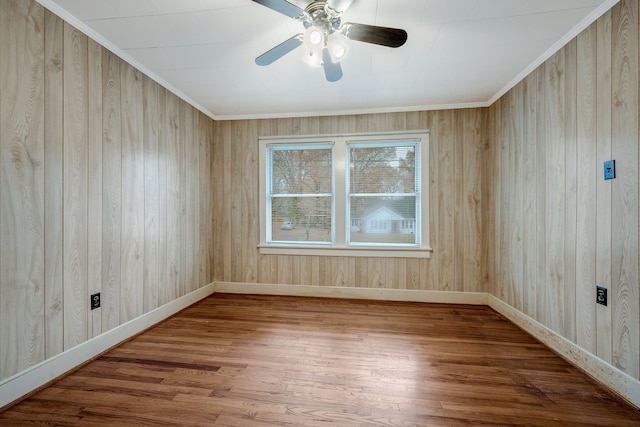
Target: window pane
[301,171]
[301,219]
[390,169]
[383,220]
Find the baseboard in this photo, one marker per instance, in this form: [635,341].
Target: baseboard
[23,383]
[409,295]
[618,381]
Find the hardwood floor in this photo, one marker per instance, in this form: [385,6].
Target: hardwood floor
[234,360]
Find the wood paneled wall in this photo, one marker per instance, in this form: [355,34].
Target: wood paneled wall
[104,187]
[457,151]
[560,229]
[110,183]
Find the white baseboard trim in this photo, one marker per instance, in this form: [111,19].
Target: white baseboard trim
[618,381]
[409,295]
[31,379]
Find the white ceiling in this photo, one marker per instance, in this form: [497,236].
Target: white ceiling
[459,53]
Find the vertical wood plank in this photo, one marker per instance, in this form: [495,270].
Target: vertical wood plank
[181,151]
[22,184]
[516,243]
[457,192]
[529,220]
[541,196]
[446,201]
[211,155]
[217,194]
[225,231]
[151,195]
[376,274]
[570,85]
[94,184]
[555,189]
[173,161]
[284,272]
[76,301]
[506,225]
[413,273]
[471,194]
[53,196]
[624,197]
[516,196]
[190,210]
[163,207]
[488,173]
[234,198]
[603,190]
[586,190]
[360,273]
[205,193]
[497,150]
[339,271]
[297,265]
[111,191]
[397,275]
[132,255]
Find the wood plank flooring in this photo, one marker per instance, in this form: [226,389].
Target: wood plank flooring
[233,360]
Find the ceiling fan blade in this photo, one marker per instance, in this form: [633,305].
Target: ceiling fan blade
[282,6]
[392,37]
[279,51]
[332,70]
[339,5]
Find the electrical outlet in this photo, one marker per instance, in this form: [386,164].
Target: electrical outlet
[601,295]
[95,301]
[610,169]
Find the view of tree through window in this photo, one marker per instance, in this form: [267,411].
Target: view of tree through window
[383,194]
[301,194]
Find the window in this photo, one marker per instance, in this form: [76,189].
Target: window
[355,195]
[383,179]
[300,194]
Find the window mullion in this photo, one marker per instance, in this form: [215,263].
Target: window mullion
[340,192]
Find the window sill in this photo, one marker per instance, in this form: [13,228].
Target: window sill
[346,251]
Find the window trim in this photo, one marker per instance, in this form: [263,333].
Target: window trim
[340,216]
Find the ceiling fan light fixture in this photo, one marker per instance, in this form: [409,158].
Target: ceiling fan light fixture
[337,46]
[325,35]
[314,38]
[313,58]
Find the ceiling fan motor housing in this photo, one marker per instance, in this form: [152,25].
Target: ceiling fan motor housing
[318,13]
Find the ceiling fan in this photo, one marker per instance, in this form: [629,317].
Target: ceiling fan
[325,34]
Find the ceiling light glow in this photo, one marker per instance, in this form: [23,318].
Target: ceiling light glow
[337,46]
[314,38]
[313,58]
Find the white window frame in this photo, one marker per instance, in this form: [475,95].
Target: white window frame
[340,216]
